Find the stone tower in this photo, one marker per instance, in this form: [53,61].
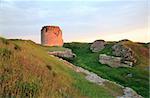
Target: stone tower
[51,36]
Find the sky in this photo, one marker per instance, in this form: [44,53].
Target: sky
[80,20]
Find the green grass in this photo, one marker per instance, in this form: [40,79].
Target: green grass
[89,89]
[86,59]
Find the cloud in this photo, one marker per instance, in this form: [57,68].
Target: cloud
[77,19]
[79,0]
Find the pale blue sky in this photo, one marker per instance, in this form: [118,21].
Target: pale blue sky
[80,20]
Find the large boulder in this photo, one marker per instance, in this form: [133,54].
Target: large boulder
[98,45]
[112,61]
[66,54]
[126,53]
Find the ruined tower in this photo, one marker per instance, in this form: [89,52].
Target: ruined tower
[51,36]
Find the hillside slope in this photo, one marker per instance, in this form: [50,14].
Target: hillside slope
[27,71]
[137,77]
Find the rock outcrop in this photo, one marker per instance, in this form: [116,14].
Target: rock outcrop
[98,45]
[126,53]
[51,36]
[112,61]
[66,54]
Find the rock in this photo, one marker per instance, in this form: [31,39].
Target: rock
[66,54]
[92,77]
[130,93]
[111,61]
[128,63]
[129,75]
[51,36]
[97,45]
[124,40]
[126,53]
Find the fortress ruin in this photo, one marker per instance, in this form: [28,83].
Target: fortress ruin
[51,36]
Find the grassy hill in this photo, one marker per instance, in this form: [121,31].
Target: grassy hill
[27,71]
[140,73]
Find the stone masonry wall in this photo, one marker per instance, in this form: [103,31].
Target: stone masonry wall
[51,36]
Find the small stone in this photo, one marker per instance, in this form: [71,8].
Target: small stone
[129,75]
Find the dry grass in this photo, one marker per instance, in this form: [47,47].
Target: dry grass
[24,72]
